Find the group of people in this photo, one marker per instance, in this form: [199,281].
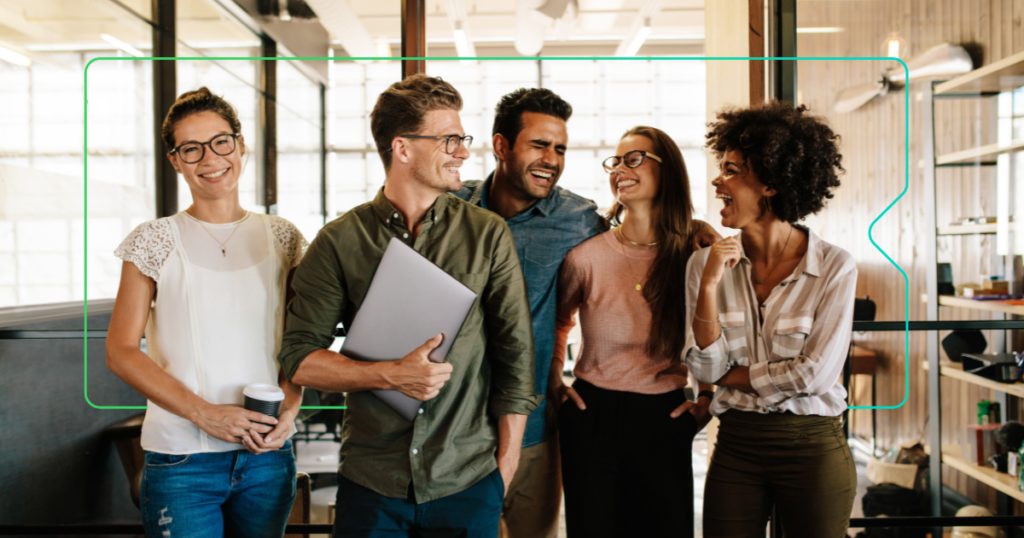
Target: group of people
[758,324]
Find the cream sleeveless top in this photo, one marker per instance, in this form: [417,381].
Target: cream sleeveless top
[216,322]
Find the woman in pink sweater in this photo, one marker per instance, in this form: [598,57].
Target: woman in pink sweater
[626,435]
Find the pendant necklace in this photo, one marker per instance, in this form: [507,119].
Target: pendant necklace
[761,282]
[639,286]
[223,245]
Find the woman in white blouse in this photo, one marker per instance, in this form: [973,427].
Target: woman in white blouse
[771,312]
[207,287]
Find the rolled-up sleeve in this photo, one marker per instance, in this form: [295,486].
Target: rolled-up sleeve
[510,346]
[318,306]
[711,363]
[816,370]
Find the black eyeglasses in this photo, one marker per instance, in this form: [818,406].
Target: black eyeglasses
[632,159]
[193,152]
[451,142]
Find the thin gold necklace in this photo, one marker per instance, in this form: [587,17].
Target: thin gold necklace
[223,245]
[639,287]
[761,282]
[622,234]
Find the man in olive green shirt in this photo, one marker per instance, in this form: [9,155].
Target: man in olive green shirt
[447,471]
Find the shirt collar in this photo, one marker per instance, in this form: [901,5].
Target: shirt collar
[810,264]
[387,212]
[542,207]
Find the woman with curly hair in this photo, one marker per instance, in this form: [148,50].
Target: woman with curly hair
[771,312]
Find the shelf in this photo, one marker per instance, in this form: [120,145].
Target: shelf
[979,154]
[1003,75]
[990,306]
[970,229]
[956,371]
[953,456]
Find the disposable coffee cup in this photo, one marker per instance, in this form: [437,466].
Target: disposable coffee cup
[263,398]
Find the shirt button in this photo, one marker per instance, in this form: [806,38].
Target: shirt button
[395,216]
[414,451]
[421,411]
[406,236]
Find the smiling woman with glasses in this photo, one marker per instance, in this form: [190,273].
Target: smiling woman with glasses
[628,473]
[221,273]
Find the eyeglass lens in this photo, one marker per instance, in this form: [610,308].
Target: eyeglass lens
[193,152]
[452,143]
[633,159]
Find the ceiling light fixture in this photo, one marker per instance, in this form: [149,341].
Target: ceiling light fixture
[638,39]
[895,46]
[122,45]
[820,30]
[462,44]
[14,57]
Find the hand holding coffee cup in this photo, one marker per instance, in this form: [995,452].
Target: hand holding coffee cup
[264,399]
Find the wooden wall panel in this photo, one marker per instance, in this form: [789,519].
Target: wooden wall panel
[874,146]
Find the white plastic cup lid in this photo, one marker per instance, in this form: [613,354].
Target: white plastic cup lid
[264,392]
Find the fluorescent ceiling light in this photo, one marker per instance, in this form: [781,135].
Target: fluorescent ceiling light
[14,57]
[638,39]
[820,30]
[122,45]
[463,45]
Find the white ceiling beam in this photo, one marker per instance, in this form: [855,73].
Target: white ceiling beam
[640,28]
[344,26]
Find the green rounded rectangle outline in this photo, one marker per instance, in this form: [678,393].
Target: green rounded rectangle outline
[906,171]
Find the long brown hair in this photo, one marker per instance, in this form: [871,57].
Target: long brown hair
[665,290]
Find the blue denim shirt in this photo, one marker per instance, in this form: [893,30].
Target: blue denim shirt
[543,234]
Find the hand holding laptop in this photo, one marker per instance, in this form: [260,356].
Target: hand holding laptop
[415,375]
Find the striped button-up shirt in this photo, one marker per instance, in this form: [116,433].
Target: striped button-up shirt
[796,356]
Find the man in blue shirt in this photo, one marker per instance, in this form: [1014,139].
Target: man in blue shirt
[529,141]
[529,138]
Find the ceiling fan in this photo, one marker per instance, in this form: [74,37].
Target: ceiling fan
[942,60]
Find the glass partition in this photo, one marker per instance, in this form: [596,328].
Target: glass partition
[43,244]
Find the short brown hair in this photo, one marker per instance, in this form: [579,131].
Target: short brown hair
[400,109]
[194,102]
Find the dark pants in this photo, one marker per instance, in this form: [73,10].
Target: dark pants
[471,513]
[800,464]
[626,465]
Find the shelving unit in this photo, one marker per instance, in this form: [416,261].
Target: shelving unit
[952,455]
[956,371]
[971,229]
[988,306]
[981,154]
[986,82]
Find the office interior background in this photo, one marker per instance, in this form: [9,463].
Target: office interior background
[312,159]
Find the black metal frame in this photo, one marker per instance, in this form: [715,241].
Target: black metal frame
[164,94]
[782,76]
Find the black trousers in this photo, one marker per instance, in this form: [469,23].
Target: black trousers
[626,465]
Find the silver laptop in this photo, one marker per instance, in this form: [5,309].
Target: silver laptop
[410,301]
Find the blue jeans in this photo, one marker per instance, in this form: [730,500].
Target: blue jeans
[472,513]
[216,494]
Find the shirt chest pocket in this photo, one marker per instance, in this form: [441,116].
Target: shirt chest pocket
[791,335]
[734,324]
[540,266]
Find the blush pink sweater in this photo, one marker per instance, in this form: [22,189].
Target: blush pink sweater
[615,319]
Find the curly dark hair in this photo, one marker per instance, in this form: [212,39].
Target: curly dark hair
[789,150]
[508,114]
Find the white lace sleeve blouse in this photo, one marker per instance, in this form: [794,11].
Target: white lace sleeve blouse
[216,322]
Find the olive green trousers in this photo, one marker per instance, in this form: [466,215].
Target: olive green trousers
[801,465]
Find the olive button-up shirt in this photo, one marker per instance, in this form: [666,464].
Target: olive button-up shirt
[453,442]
